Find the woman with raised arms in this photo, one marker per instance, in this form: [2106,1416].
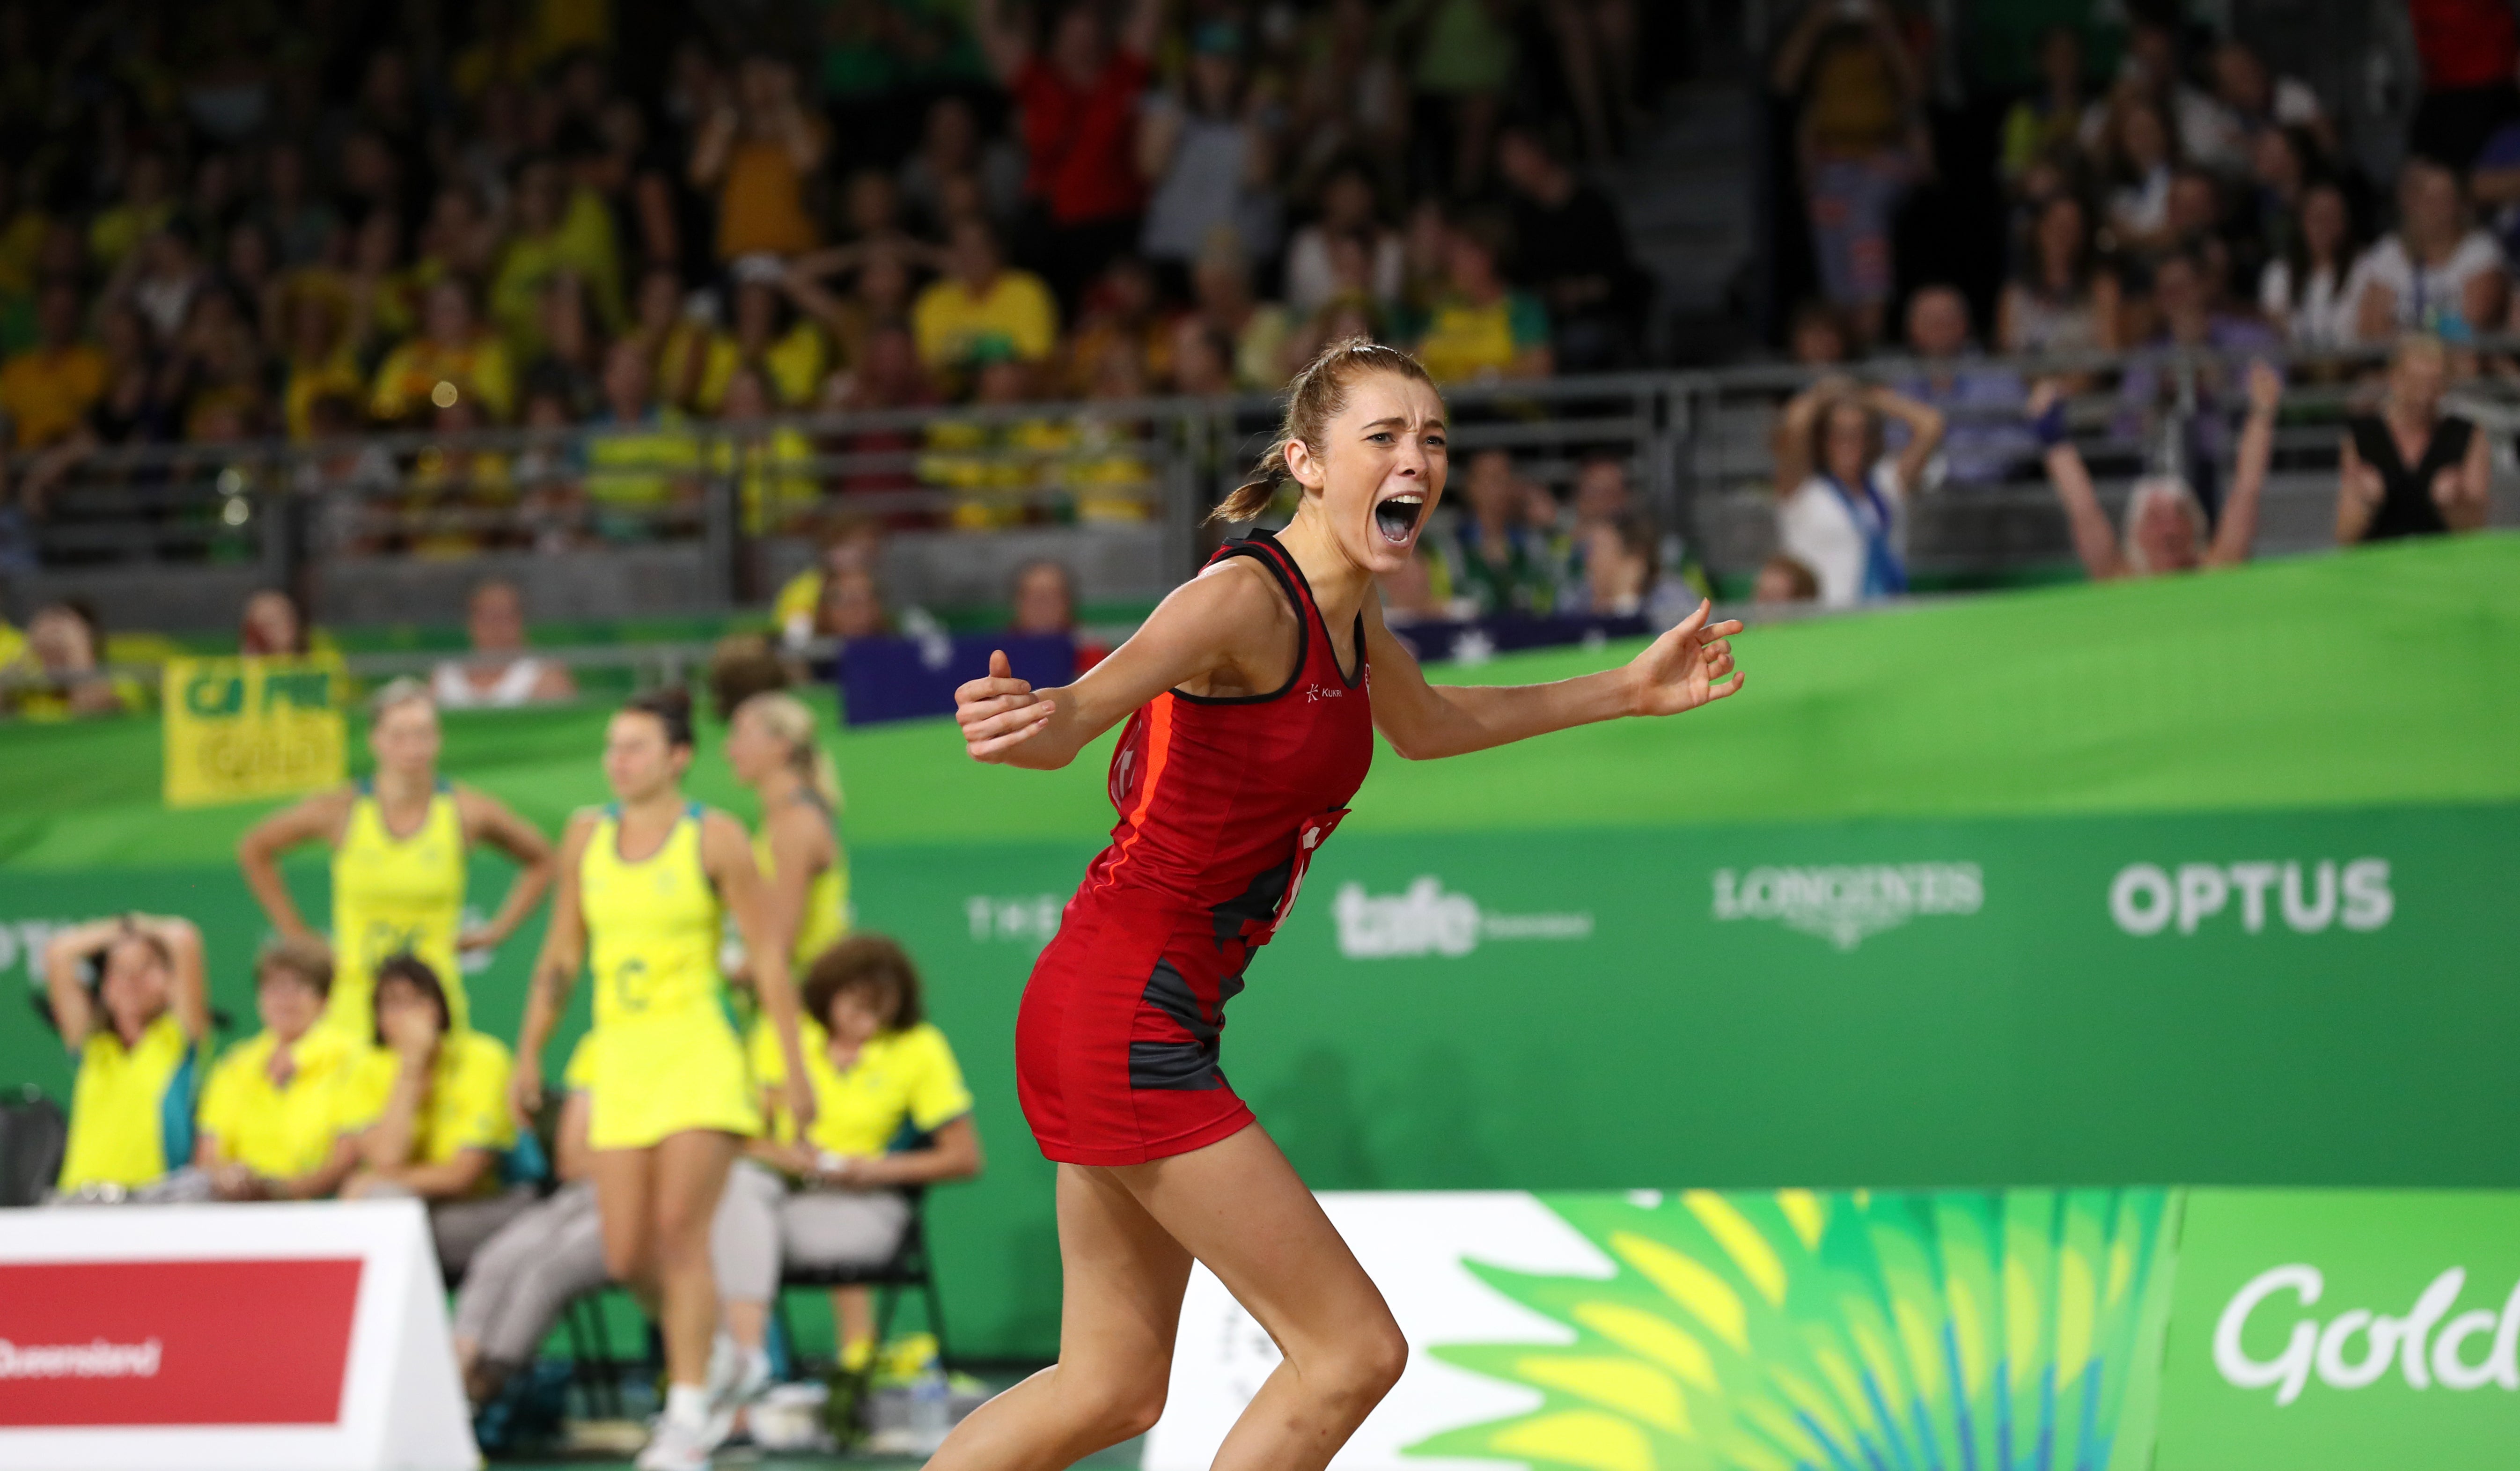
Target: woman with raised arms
[1251,721]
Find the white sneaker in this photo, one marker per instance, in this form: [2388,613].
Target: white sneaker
[676,1445]
[736,1379]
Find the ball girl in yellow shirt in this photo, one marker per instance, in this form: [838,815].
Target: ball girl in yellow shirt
[398,841]
[644,886]
[136,1039]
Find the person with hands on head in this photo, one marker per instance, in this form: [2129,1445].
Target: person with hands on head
[429,1105]
[1250,724]
[2164,526]
[880,1071]
[271,1113]
[135,1039]
[2411,470]
[1847,516]
[646,885]
[398,841]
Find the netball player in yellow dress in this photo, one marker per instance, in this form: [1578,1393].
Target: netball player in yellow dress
[398,841]
[770,746]
[646,885]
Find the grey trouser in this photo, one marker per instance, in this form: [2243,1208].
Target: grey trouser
[762,1223]
[459,1228]
[523,1277]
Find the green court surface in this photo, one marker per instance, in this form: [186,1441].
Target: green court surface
[2388,676]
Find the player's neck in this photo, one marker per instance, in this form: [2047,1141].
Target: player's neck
[405,788]
[1338,584]
[776,789]
[660,808]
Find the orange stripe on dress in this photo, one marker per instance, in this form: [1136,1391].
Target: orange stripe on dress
[1159,743]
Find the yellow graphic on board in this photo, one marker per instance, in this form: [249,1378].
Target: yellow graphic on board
[242,728]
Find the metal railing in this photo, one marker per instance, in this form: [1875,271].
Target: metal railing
[1696,446]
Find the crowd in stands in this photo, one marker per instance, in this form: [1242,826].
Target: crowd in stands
[2194,202]
[2193,196]
[304,223]
[370,1079]
[247,220]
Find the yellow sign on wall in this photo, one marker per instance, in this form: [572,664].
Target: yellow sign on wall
[242,728]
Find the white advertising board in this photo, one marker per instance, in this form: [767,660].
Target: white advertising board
[226,1338]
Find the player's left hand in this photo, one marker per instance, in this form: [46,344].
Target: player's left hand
[1000,711]
[1689,666]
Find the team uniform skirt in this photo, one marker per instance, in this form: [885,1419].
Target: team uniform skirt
[655,1076]
[1118,1043]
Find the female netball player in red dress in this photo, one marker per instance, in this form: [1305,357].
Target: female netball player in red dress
[1251,721]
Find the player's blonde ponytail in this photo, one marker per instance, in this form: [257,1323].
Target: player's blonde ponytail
[1312,399]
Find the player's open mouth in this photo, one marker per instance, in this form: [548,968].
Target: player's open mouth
[1397,518]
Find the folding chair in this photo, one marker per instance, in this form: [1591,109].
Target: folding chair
[910,1265]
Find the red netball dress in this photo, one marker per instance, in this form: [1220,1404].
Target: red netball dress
[1223,802]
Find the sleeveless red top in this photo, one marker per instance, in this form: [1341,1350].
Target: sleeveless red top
[1223,800]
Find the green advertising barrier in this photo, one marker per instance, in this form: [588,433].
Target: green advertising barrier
[2300,998]
[2194,880]
[2021,1329]
[2344,1331]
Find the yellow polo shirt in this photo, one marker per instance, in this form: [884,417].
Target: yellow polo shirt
[467,1107]
[905,1077]
[279,1132]
[131,1109]
[1015,318]
[46,394]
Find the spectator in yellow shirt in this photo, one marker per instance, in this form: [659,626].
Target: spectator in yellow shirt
[273,1110]
[321,362]
[58,673]
[642,468]
[451,358]
[559,228]
[430,1106]
[980,309]
[773,463]
[48,389]
[148,205]
[833,1196]
[136,1037]
[1478,330]
[791,357]
[755,152]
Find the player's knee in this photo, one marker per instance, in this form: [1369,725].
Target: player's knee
[1384,1358]
[1123,1411]
[625,1258]
[1363,1366]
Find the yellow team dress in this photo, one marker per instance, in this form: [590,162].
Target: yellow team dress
[669,1060]
[467,1107]
[131,1109]
[279,1132]
[820,927]
[391,895]
[826,899]
[904,1082]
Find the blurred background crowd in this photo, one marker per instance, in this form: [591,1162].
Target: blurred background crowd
[539,277]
